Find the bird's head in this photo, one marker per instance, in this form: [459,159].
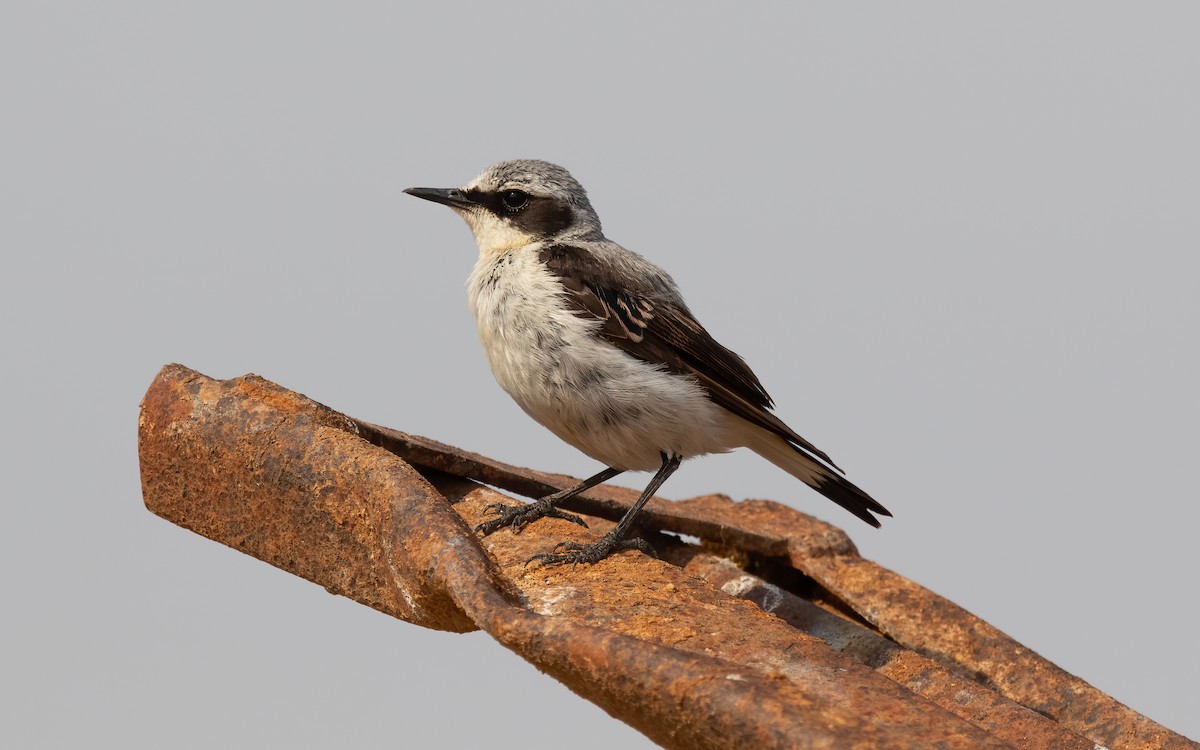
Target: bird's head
[514,203]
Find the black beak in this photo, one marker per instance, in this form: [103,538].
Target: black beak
[452,197]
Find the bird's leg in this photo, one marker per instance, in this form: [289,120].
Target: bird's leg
[614,540]
[519,516]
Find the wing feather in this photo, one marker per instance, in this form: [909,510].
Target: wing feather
[658,328]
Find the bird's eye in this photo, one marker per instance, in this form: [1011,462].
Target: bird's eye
[514,200]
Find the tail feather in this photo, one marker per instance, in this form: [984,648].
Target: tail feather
[812,472]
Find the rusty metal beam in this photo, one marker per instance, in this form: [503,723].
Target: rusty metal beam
[278,476]
[911,615]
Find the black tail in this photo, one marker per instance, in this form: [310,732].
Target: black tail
[812,472]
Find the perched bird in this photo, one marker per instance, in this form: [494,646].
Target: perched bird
[596,343]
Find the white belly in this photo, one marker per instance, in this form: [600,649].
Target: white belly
[615,408]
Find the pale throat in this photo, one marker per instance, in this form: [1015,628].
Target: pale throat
[493,235]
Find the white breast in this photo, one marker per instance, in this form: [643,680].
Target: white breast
[615,408]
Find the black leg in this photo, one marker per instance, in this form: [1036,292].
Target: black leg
[615,540]
[519,516]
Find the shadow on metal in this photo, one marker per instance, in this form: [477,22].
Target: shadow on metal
[772,632]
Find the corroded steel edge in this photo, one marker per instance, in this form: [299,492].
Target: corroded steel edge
[278,476]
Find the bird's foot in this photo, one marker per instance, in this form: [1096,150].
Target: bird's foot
[574,553]
[519,516]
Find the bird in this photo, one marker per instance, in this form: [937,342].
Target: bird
[596,343]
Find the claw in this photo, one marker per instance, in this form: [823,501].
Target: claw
[574,553]
[556,513]
[517,517]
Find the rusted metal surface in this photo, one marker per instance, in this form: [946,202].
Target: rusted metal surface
[276,475]
[911,615]
[659,605]
[1004,719]
[929,624]
[273,474]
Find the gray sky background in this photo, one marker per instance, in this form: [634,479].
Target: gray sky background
[957,244]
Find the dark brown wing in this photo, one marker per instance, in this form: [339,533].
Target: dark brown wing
[650,326]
